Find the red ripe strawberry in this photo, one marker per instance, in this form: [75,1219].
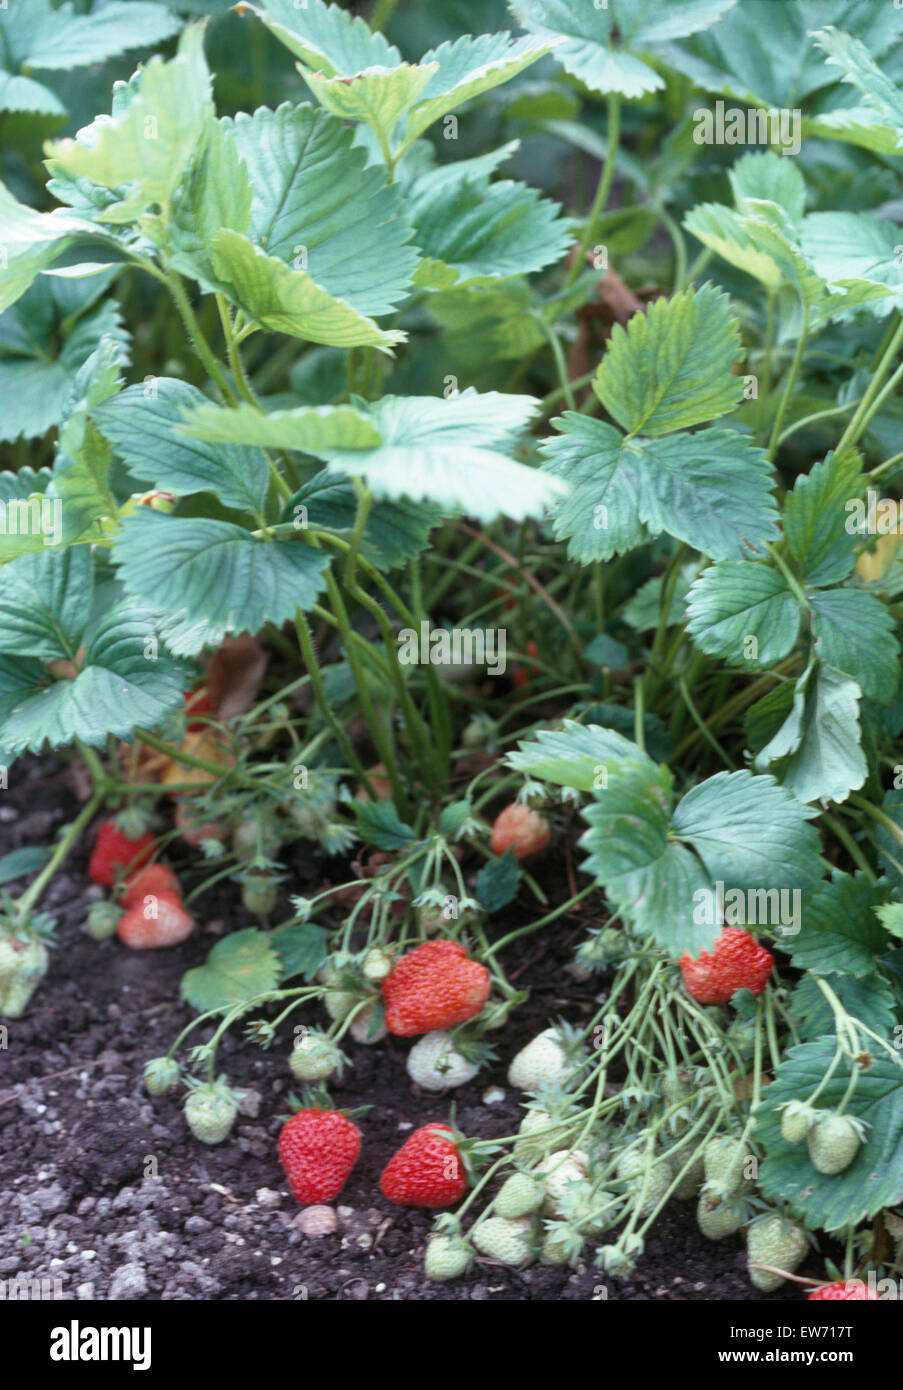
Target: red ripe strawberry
[113,850]
[318,1149]
[853,1291]
[163,922]
[519,829]
[427,1170]
[735,962]
[152,880]
[434,986]
[198,702]
[520,676]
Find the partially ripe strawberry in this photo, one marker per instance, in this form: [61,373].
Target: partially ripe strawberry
[427,1170]
[115,850]
[850,1291]
[162,920]
[149,882]
[318,1149]
[521,830]
[434,986]
[193,829]
[735,962]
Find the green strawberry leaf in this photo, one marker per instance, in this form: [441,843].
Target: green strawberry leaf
[480,229]
[394,531]
[498,882]
[671,367]
[307,429]
[870,1000]
[241,966]
[173,100]
[854,632]
[817,752]
[711,489]
[734,601]
[379,824]
[840,934]
[301,948]
[144,423]
[452,453]
[576,755]
[215,571]
[872,1180]
[320,208]
[816,518]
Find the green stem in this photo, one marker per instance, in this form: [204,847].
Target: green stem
[864,413]
[789,386]
[309,655]
[64,844]
[603,189]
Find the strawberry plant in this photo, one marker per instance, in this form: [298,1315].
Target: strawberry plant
[441,454]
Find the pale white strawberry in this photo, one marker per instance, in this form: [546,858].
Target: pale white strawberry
[434,1064]
[361,1029]
[543,1062]
[558,1171]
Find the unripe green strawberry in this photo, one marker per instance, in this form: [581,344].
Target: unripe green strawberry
[534,1148]
[774,1241]
[797,1118]
[692,1180]
[210,1111]
[833,1143]
[258,894]
[338,1003]
[161,1074]
[9,959]
[587,1208]
[509,1242]
[725,1159]
[446,1257]
[717,1217]
[558,1171]
[631,1167]
[377,964]
[561,1246]
[479,732]
[103,919]
[621,1259]
[543,1062]
[315,1057]
[434,1063]
[21,985]
[518,1196]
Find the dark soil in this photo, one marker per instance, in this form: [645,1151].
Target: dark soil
[109,1193]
